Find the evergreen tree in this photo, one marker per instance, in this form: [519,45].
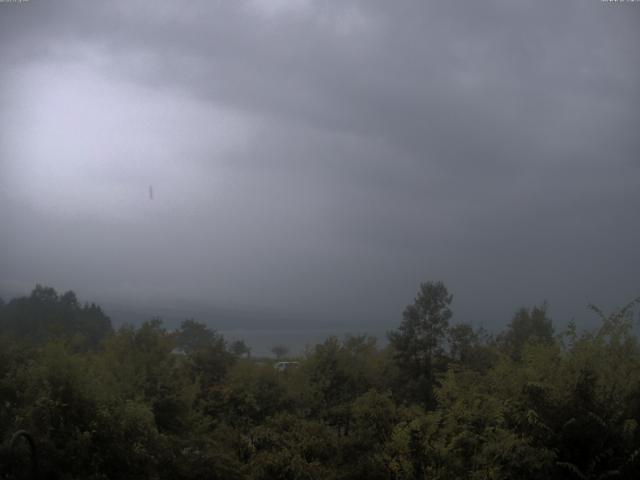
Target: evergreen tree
[418,342]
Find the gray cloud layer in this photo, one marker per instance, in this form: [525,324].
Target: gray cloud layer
[321,158]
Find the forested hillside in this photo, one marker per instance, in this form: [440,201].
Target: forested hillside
[442,400]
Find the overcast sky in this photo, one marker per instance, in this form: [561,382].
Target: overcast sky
[319,159]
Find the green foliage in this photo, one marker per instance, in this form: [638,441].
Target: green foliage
[254,393]
[336,372]
[527,326]
[470,348]
[194,336]
[418,342]
[147,403]
[44,315]
[239,348]
[289,448]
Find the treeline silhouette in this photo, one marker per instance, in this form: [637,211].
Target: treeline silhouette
[440,401]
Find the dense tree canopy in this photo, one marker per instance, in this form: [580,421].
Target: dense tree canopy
[144,402]
[44,315]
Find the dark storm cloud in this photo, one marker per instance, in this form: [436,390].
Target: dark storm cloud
[365,146]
